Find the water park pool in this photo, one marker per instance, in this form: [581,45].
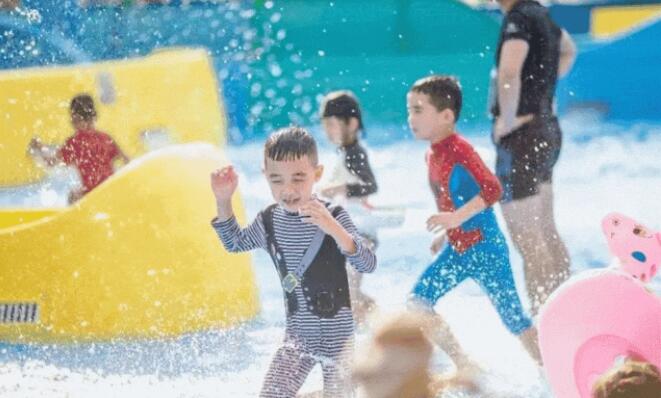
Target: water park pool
[264,64]
[619,164]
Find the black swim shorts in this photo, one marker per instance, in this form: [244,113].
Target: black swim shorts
[525,157]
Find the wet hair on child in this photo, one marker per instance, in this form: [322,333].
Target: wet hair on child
[444,92]
[291,143]
[342,104]
[631,379]
[82,107]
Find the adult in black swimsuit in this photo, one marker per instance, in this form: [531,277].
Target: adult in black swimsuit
[532,53]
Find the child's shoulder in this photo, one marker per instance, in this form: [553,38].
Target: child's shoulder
[356,148]
[452,147]
[459,140]
[461,147]
[269,209]
[93,135]
[104,135]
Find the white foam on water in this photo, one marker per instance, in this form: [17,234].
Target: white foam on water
[603,168]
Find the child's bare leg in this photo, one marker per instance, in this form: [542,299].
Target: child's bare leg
[530,342]
[440,334]
[441,276]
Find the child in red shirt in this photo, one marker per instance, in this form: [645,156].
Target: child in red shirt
[92,152]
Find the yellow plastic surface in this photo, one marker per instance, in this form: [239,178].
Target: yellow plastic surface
[135,258]
[611,21]
[173,91]
[12,217]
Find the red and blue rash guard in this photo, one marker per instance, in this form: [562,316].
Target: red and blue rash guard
[456,175]
[477,248]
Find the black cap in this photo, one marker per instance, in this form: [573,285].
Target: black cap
[342,104]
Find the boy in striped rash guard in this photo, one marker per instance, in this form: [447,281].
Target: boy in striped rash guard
[309,242]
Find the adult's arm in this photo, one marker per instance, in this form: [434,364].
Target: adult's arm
[567,54]
[512,57]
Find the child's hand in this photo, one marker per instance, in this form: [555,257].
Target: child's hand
[315,212]
[223,183]
[443,220]
[45,155]
[35,144]
[35,147]
[437,243]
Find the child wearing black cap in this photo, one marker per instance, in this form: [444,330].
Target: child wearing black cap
[352,179]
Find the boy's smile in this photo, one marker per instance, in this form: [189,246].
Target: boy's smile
[292,181]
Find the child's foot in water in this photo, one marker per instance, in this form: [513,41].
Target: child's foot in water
[467,377]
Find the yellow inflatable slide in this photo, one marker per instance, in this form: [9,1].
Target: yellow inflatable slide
[171,95]
[135,258]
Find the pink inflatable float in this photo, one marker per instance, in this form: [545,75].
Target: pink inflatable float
[599,316]
[637,248]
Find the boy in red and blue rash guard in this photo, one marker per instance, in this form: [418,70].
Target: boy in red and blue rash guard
[465,189]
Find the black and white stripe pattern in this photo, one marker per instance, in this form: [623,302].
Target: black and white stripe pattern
[19,313]
[308,338]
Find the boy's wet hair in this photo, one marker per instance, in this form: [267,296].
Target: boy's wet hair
[82,107]
[630,380]
[291,143]
[342,104]
[444,92]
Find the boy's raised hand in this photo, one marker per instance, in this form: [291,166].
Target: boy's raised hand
[223,183]
[315,212]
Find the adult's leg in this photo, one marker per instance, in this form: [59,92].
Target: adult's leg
[552,136]
[524,219]
[287,372]
[559,252]
[525,162]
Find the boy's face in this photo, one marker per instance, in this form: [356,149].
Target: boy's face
[291,181]
[79,123]
[426,122]
[339,130]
